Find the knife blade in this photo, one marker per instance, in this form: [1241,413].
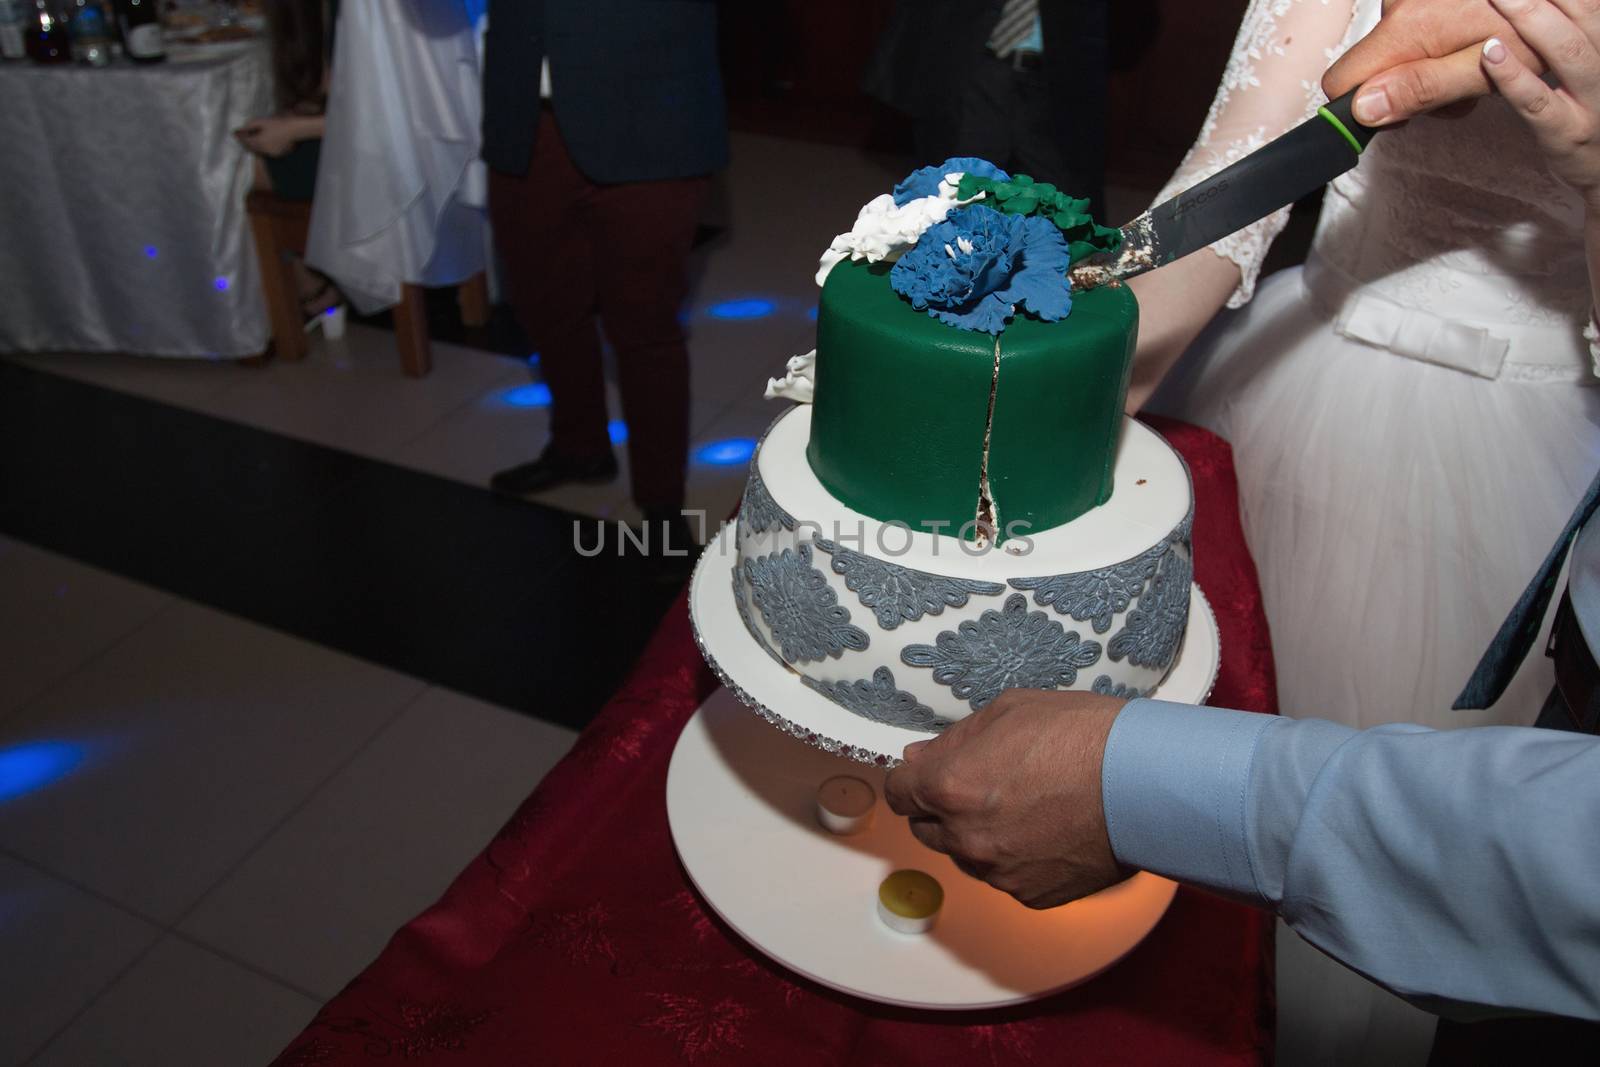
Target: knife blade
[1280,172]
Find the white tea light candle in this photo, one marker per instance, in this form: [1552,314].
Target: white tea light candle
[845,804]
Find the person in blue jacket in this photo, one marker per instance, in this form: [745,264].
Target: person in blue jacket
[602,122]
[1021,83]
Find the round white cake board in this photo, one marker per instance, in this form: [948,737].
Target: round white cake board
[741,807]
[775,692]
[741,802]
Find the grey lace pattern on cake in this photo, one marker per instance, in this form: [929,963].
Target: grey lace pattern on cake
[1096,596]
[1151,633]
[1105,686]
[897,594]
[831,745]
[880,700]
[759,511]
[1012,648]
[800,607]
[743,604]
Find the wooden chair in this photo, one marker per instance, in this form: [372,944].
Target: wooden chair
[282,226]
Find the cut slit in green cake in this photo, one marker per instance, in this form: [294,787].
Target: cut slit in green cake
[911,414]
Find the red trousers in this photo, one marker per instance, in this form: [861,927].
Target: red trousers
[581,257]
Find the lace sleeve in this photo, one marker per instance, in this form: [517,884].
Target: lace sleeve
[1271,83]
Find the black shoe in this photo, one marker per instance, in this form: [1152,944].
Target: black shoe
[550,470]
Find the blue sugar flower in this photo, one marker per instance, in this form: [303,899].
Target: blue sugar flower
[924,181]
[974,269]
[1040,281]
[958,265]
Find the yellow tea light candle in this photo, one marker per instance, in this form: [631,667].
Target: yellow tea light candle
[845,804]
[909,901]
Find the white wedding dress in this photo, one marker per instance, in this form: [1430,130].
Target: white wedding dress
[1411,413]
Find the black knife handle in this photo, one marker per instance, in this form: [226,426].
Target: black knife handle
[1339,113]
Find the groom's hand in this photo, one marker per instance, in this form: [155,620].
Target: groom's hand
[1422,55]
[1012,794]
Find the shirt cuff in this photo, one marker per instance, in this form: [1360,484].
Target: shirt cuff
[1175,782]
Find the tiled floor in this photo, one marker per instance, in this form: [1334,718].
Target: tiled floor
[182,1003]
[208,826]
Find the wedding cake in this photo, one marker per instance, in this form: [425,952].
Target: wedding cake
[955,505]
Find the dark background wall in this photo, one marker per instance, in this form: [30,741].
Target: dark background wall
[793,68]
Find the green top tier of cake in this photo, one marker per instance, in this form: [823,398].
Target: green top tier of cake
[902,408]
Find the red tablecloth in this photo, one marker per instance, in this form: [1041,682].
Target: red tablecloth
[574,938]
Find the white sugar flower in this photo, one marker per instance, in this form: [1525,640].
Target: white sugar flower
[884,229]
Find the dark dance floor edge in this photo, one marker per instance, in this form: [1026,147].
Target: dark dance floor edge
[431,577]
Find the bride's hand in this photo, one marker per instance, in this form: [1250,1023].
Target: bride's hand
[1565,120]
[1421,56]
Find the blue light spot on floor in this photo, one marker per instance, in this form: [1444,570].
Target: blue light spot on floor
[812,314]
[532,395]
[150,251]
[221,283]
[618,431]
[331,312]
[753,308]
[727,452]
[533,360]
[27,767]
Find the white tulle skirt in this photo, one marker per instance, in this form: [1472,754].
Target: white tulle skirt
[1395,509]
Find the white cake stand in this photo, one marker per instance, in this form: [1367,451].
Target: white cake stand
[741,808]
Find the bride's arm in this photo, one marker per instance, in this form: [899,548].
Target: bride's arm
[1270,85]
[1175,303]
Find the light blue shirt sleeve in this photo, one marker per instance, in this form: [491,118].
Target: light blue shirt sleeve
[1458,868]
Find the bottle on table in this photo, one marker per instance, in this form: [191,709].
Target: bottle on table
[140,24]
[12,23]
[45,38]
[91,33]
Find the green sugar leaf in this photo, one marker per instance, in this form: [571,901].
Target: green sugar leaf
[1024,196]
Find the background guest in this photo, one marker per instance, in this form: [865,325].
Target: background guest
[1021,83]
[603,120]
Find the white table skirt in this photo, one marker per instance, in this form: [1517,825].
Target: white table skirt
[122,223]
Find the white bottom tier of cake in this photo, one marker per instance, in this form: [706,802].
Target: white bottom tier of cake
[776,693]
[916,630]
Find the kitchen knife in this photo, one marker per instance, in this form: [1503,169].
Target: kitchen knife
[1279,173]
